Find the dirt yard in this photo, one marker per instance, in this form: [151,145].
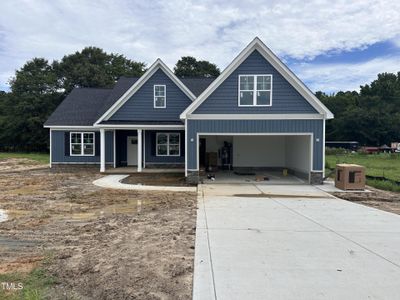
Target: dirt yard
[100,244]
[384,200]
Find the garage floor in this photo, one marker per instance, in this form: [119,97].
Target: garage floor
[303,244]
[274,177]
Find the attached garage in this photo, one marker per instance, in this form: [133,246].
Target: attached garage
[257,152]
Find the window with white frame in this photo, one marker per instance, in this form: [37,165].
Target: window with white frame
[160,98]
[255,90]
[168,144]
[82,143]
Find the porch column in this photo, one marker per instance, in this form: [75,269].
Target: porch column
[102,150]
[139,152]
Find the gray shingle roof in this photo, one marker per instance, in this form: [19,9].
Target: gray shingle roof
[79,108]
[84,106]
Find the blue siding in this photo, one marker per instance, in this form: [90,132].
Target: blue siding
[58,149]
[150,149]
[285,98]
[140,107]
[255,126]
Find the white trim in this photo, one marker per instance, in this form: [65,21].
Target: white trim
[102,150]
[257,44]
[186,149]
[144,149]
[165,95]
[311,134]
[65,127]
[158,64]
[80,163]
[254,90]
[323,150]
[254,116]
[50,156]
[168,134]
[139,150]
[82,143]
[138,126]
[114,149]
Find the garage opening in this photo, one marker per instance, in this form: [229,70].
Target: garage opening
[269,158]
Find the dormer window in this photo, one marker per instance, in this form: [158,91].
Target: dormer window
[255,90]
[160,98]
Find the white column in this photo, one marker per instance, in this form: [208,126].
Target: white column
[139,153]
[102,150]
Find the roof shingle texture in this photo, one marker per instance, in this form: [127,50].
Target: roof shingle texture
[84,106]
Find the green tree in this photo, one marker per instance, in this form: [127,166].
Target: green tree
[92,67]
[188,66]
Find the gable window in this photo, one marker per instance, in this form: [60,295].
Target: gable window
[168,144]
[160,97]
[255,90]
[82,143]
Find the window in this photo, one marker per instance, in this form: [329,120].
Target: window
[255,90]
[160,97]
[82,143]
[168,144]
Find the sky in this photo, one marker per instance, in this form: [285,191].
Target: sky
[330,45]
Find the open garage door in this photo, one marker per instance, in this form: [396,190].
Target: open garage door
[245,153]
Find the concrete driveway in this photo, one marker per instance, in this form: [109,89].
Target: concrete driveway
[252,245]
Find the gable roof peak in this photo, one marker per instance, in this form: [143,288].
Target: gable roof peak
[257,44]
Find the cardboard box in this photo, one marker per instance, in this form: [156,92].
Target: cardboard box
[350,177]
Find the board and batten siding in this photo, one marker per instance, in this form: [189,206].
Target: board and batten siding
[140,107]
[58,147]
[255,126]
[285,98]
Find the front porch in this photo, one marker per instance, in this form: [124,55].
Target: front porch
[153,149]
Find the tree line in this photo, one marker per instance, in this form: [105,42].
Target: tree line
[371,116]
[39,87]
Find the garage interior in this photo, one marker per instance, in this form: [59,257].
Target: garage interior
[259,158]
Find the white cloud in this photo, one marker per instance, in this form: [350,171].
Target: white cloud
[212,30]
[344,77]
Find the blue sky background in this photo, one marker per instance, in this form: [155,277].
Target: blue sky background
[330,45]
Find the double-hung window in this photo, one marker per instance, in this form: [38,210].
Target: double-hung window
[255,90]
[82,143]
[160,96]
[168,144]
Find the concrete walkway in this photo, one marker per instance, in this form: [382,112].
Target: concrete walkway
[262,247]
[114,182]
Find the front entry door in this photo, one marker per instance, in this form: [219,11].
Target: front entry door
[132,151]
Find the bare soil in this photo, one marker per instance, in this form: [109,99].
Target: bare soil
[100,244]
[171,179]
[384,200]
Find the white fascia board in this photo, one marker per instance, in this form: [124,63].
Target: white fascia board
[257,44]
[72,127]
[141,126]
[255,116]
[158,64]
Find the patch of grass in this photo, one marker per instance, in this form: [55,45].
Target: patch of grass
[34,285]
[39,157]
[383,164]
[384,185]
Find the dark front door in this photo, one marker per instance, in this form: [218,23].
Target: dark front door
[202,152]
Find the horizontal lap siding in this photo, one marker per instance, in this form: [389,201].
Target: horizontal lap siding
[285,98]
[140,107]
[58,149]
[255,126]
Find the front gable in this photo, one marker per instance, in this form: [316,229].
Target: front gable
[140,106]
[285,98]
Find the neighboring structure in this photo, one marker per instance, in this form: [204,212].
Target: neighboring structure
[352,145]
[256,114]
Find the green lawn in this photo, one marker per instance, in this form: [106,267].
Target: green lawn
[384,164]
[40,157]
